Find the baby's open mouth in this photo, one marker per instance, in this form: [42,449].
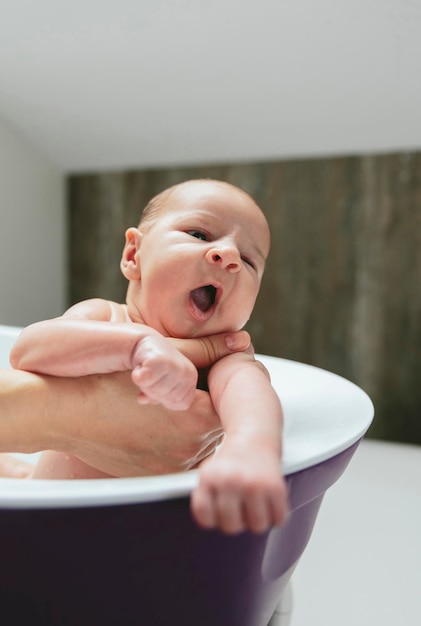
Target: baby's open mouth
[204,297]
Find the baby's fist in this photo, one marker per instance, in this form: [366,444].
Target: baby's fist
[162,374]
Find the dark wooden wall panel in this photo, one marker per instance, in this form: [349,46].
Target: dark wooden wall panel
[342,289]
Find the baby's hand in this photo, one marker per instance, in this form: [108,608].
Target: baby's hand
[162,374]
[240,489]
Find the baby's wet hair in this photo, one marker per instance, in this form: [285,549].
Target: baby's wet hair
[155,206]
[159,202]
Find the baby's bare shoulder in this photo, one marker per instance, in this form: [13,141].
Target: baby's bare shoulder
[98,309]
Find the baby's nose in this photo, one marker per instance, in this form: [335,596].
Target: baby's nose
[227,257]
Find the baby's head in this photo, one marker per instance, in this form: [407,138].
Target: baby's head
[196,260]
[202,187]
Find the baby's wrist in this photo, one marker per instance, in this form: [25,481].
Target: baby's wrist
[249,440]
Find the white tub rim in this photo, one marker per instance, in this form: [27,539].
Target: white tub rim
[342,411]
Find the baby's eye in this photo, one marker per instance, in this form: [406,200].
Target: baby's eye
[248,261]
[198,234]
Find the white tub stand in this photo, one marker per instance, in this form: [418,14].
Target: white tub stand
[282,614]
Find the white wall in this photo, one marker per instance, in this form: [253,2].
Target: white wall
[32,232]
[110,85]
[132,84]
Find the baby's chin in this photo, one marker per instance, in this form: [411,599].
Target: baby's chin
[191,328]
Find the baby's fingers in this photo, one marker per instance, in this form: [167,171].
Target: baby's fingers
[259,513]
[266,505]
[217,510]
[165,389]
[230,513]
[179,398]
[233,510]
[203,509]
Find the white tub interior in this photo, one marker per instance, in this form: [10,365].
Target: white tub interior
[324,415]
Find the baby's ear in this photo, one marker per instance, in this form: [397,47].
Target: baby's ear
[130,260]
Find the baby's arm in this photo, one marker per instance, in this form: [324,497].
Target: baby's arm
[86,340]
[241,487]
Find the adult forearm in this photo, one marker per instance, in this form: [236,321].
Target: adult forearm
[97,418]
[23,412]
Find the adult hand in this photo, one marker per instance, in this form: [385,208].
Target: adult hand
[205,351]
[98,419]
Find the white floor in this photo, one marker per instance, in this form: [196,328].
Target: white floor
[362,566]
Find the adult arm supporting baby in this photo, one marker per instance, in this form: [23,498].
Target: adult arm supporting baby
[98,419]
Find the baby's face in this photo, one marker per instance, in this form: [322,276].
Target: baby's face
[201,261]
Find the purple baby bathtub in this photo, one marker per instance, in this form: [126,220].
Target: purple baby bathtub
[126,551]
